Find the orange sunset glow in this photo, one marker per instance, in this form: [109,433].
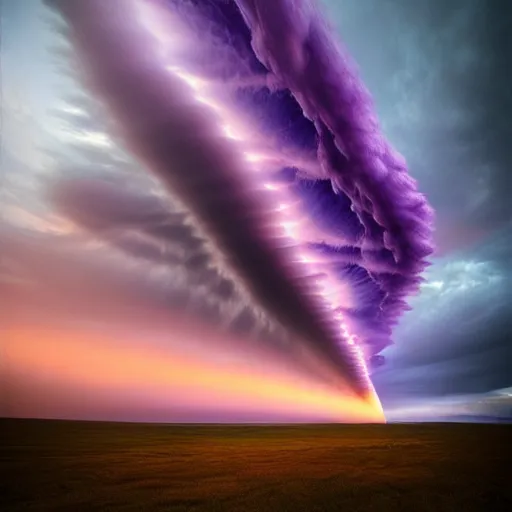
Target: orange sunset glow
[61,370]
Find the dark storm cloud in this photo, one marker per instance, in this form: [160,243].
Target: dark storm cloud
[145,227]
[440,75]
[151,230]
[141,224]
[439,72]
[458,340]
[174,147]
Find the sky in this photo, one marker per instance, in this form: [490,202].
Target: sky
[439,77]
[438,73]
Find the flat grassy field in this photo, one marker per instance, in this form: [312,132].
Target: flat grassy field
[82,466]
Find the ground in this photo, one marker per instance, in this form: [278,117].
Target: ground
[86,466]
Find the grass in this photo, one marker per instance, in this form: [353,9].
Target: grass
[86,466]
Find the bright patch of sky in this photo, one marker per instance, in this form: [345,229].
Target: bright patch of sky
[29,79]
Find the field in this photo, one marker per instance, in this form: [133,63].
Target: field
[82,466]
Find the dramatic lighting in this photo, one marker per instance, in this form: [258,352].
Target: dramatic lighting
[275,150]
[71,368]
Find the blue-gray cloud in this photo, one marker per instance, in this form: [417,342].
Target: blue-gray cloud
[439,75]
